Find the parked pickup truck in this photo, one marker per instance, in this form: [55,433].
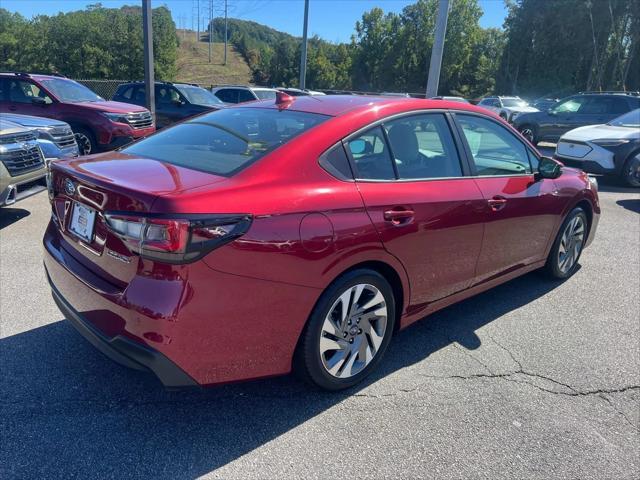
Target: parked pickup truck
[98,124]
[22,166]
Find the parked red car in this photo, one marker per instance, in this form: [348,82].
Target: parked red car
[301,233]
[97,123]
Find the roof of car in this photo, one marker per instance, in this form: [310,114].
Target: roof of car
[335,105]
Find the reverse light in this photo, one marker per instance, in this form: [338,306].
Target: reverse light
[171,240]
[610,142]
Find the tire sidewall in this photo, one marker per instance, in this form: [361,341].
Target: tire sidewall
[310,358]
[552,261]
[90,136]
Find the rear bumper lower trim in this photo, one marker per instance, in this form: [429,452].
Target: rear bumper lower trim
[124,351]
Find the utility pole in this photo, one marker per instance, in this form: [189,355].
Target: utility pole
[149,81]
[198,34]
[225,32]
[438,47]
[210,30]
[303,57]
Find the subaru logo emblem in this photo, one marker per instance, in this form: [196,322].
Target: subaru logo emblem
[69,187]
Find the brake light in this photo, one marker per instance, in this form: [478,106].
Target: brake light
[171,240]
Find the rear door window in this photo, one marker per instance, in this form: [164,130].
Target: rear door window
[422,147]
[245,96]
[228,95]
[371,156]
[226,141]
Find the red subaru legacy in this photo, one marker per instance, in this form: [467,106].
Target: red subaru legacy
[302,233]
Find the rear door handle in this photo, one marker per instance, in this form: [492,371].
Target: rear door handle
[399,215]
[497,203]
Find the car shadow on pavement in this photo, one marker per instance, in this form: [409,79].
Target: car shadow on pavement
[68,411]
[9,216]
[632,204]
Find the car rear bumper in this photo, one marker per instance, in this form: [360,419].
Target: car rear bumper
[122,350]
[199,319]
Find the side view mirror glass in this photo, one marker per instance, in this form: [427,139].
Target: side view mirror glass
[357,147]
[549,168]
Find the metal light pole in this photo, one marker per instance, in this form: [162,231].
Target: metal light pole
[303,57]
[225,32]
[149,82]
[198,37]
[438,47]
[210,30]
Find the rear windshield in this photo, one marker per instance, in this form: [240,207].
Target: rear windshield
[226,141]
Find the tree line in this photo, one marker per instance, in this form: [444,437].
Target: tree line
[546,47]
[93,43]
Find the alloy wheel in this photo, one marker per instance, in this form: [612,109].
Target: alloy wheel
[632,171]
[353,330]
[84,143]
[571,244]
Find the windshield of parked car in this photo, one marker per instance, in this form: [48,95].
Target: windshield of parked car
[226,141]
[199,95]
[265,94]
[514,102]
[630,119]
[70,91]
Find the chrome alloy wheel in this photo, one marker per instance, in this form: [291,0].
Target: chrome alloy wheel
[571,244]
[84,143]
[353,331]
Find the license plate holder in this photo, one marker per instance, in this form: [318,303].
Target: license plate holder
[82,222]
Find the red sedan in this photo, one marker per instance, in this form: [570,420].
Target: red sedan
[302,233]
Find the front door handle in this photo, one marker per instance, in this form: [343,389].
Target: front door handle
[399,216]
[497,203]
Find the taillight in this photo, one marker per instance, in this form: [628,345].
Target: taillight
[176,240]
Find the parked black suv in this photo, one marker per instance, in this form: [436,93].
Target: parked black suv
[573,112]
[174,101]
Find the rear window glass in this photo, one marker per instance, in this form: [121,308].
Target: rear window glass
[226,141]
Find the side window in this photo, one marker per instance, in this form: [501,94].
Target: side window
[594,106]
[228,95]
[371,156]
[618,106]
[422,147]
[495,150]
[245,96]
[139,97]
[24,92]
[335,162]
[126,92]
[570,105]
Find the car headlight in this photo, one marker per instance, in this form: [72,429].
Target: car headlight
[610,142]
[45,133]
[116,117]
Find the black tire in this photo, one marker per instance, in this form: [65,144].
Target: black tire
[308,363]
[530,133]
[86,140]
[630,174]
[553,265]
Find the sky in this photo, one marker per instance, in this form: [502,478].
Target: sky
[332,20]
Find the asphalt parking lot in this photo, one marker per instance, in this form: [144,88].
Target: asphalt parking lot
[533,379]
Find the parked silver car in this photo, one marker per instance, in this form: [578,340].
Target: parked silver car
[55,138]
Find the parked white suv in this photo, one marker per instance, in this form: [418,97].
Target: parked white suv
[507,107]
[243,93]
[610,149]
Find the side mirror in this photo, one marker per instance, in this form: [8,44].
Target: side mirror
[39,101]
[548,168]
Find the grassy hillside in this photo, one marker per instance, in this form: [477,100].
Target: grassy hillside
[194,67]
